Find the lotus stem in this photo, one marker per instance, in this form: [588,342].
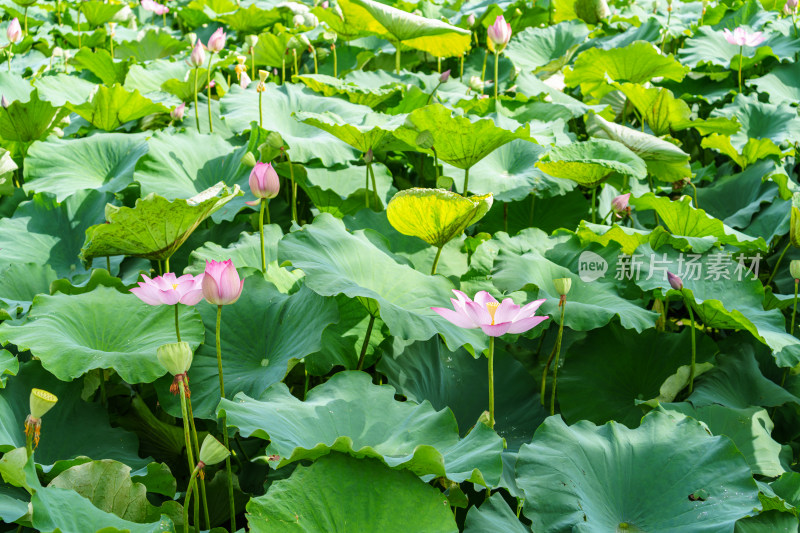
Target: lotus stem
[177,324]
[397,57]
[164,20]
[197,449]
[533,207]
[294,56]
[491,382]
[777,264]
[436,260]
[557,351]
[794,308]
[283,70]
[461,69]
[260,111]
[694,347]
[594,204]
[466,181]
[335,62]
[261,235]
[188,498]
[696,203]
[252,67]
[374,186]
[435,164]
[79,28]
[196,115]
[366,342]
[210,125]
[224,419]
[108,263]
[496,56]
[58,11]
[366,187]
[314,52]
[483,69]
[103,395]
[666,29]
[294,186]
[741,49]
[25,16]
[189,451]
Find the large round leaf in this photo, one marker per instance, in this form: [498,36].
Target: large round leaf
[74,334]
[668,476]
[340,494]
[19,284]
[365,420]
[102,162]
[494,515]
[546,49]
[435,215]
[589,163]
[263,334]
[111,107]
[373,132]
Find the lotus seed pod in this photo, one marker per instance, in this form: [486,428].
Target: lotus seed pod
[251,40]
[274,140]
[563,285]
[425,140]
[41,401]
[212,451]
[262,75]
[176,357]
[794,268]
[794,224]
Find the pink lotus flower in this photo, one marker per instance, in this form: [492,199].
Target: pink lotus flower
[620,205]
[264,182]
[155,7]
[217,40]
[741,37]
[177,113]
[495,319]
[14,32]
[169,290]
[498,34]
[221,283]
[198,55]
[244,80]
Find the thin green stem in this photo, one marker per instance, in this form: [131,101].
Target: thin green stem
[166,265]
[374,186]
[533,206]
[696,203]
[294,187]
[397,57]
[189,450]
[466,181]
[316,70]
[177,324]
[252,64]
[483,69]
[594,205]
[777,264]
[225,421]
[505,217]
[208,79]
[187,499]
[79,28]
[366,186]
[196,113]
[794,308]
[461,69]
[283,71]
[557,349]
[666,29]
[25,16]
[108,263]
[261,235]
[741,49]
[496,56]
[366,342]
[335,62]
[260,111]
[197,450]
[29,441]
[103,395]
[694,347]
[435,164]
[436,260]
[491,382]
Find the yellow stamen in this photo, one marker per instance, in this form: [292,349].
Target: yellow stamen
[492,308]
[174,286]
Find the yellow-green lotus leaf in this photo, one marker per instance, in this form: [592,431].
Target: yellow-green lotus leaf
[435,215]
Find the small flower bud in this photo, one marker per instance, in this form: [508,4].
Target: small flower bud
[176,357]
[198,55]
[674,281]
[217,40]
[177,113]
[4,102]
[212,451]
[325,4]
[41,401]
[794,268]
[14,31]
[424,139]
[794,221]
[264,182]
[248,159]
[369,156]
[445,76]
[619,205]
[562,285]
[471,20]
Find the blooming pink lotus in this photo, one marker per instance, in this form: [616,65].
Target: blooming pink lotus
[155,7]
[264,182]
[493,317]
[221,283]
[14,31]
[169,290]
[217,40]
[498,34]
[741,37]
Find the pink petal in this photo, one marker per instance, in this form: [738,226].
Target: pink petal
[192,297]
[520,326]
[497,330]
[254,202]
[460,320]
[483,298]
[230,287]
[170,297]
[148,294]
[477,313]
[529,309]
[506,311]
[211,290]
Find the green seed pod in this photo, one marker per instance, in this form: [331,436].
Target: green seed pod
[794,224]
[251,40]
[212,451]
[41,401]
[175,357]
[249,159]
[794,268]
[562,285]
[425,139]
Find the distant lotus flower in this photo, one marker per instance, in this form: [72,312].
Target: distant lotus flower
[741,37]
[14,32]
[790,7]
[217,40]
[264,182]
[471,20]
[494,318]
[244,80]
[298,20]
[170,290]
[177,113]
[221,283]
[198,56]
[325,4]
[620,205]
[155,7]
[498,34]
[4,102]
[674,281]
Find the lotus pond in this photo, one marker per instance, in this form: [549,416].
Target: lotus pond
[361,266]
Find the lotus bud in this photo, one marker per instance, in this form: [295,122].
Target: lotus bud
[176,357]
[789,7]
[794,221]
[177,113]
[217,40]
[498,34]
[251,41]
[369,156]
[620,205]
[445,76]
[191,37]
[794,269]
[41,402]
[4,102]
[325,4]
[264,182]
[198,55]
[475,83]
[248,159]
[212,451]
[221,283]
[298,20]
[262,75]
[562,285]
[471,20]
[674,281]
[424,139]
[14,32]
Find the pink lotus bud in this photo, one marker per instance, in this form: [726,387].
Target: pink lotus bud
[244,80]
[790,7]
[198,56]
[221,283]
[471,20]
[369,156]
[325,4]
[14,32]
[264,181]
[498,34]
[445,76]
[177,113]
[620,205]
[4,102]
[674,281]
[217,40]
